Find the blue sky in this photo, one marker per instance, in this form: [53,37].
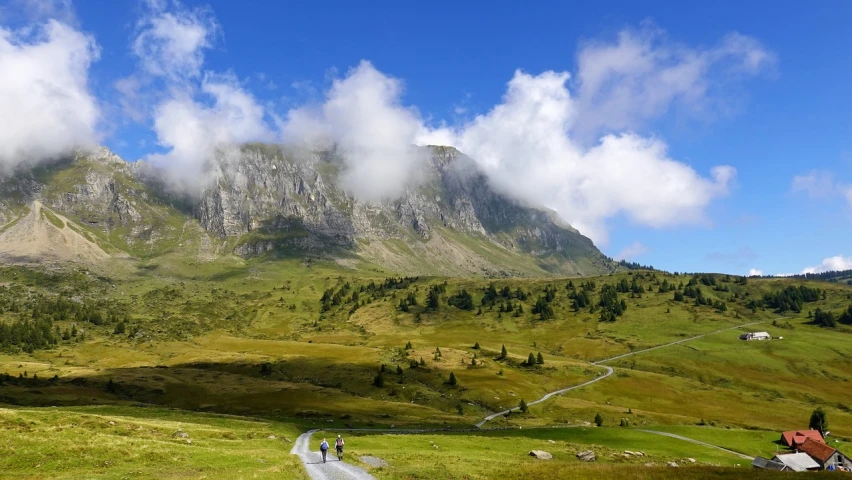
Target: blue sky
[780,121]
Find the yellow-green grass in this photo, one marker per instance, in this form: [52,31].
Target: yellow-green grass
[750,442]
[215,324]
[504,455]
[111,442]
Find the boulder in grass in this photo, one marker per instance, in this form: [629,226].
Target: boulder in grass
[586,456]
[541,455]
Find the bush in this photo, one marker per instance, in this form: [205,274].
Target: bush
[598,419]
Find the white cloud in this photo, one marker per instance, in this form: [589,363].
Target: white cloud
[196,114]
[46,108]
[821,184]
[816,184]
[635,249]
[830,264]
[754,272]
[642,74]
[193,130]
[363,116]
[525,147]
[172,43]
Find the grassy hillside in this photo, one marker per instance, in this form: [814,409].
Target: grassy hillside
[257,339]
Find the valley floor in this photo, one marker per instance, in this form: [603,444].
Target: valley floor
[215,372]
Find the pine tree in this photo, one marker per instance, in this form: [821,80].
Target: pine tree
[379,381]
[598,419]
[540,359]
[399,369]
[531,360]
[111,386]
[819,420]
[452,380]
[503,352]
[73,330]
[523,406]
[476,346]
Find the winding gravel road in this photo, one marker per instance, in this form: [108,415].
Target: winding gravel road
[608,370]
[333,469]
[337,470]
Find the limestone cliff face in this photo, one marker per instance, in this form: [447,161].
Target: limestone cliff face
[274,199]
[266,200]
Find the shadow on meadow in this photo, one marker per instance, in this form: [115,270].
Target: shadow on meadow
[308,388]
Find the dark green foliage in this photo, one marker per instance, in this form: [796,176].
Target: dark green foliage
[265,369]
[422,362]
[523,406]
[120,328]
[679,297]
[462,300]
[539,359]
[611,307]
[792,298]
[408,345]
[379,380]
[433,299]
[452,380]
[476,346]
[531,360]
[846,317]
[111,387]
[543,309]
[819,421]
[383,368]
[580,300]
[399,370]
[490,295]
[598,419]
[824,319]
[503,352]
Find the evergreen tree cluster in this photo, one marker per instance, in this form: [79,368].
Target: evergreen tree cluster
[28,335]
[825,319]
[791,298]
[462,300]
[611,307]
[349,294]
[28,320]
[491,296]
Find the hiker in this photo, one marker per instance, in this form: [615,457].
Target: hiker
[323,449]
[339,446]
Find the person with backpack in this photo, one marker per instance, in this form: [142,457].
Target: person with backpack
[323,449]
[339,445]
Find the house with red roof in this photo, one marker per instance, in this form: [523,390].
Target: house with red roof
[827,457]
[795,438]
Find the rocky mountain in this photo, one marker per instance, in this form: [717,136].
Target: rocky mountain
[264,202]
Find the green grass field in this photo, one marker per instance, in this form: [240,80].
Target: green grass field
[253,340]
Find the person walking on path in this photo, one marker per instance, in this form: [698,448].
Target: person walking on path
[323,449]
[339,446]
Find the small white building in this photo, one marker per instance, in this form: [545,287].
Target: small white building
[797,462]
[755,336]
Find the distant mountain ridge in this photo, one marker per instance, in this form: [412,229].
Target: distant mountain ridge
[267,201]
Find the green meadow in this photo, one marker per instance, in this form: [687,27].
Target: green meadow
[233,352]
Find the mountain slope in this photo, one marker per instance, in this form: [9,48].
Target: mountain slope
[265,202]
